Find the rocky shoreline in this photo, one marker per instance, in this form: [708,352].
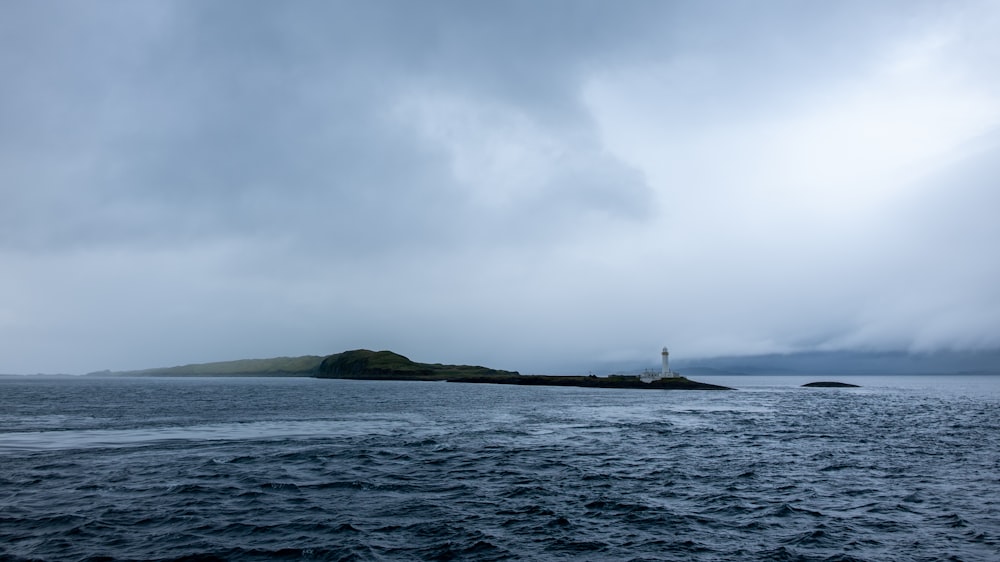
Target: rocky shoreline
[362,364]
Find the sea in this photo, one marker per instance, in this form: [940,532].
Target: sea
[902,468]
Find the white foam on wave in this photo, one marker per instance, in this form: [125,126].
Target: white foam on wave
[233,431]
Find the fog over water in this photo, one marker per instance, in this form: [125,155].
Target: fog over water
[545,187]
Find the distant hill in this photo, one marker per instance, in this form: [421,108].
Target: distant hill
[849,363]
[358,364]
[305,366]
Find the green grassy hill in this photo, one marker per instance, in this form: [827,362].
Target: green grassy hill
[305,366]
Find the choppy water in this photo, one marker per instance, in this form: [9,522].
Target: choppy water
[246,469]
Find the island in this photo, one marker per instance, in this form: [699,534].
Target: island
[363,364]
[830,384]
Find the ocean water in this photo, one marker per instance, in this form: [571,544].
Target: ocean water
[904,468]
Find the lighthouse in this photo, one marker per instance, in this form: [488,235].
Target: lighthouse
[665,357]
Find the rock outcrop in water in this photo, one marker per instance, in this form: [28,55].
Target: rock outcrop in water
[615,381]
[830,384]
[386,365]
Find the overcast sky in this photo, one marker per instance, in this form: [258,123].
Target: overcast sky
[547,186]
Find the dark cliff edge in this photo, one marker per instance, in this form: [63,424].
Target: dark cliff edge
[363,364]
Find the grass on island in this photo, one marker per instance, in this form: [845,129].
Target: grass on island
[305,366]
[365,364]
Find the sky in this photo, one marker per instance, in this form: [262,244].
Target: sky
[549,187]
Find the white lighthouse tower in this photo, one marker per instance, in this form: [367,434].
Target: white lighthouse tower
[650,375]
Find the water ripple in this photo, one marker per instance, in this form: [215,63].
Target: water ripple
[345,470]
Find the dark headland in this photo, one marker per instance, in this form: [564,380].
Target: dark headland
[386,365]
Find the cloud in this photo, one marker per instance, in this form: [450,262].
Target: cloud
[794,226]
[534,186]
